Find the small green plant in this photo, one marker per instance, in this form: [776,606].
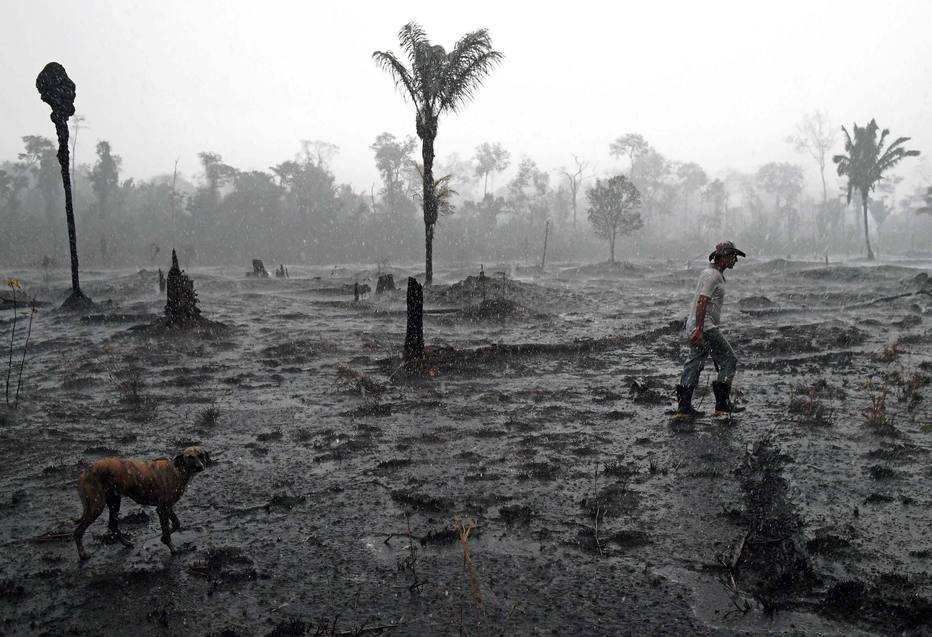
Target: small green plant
[14,285]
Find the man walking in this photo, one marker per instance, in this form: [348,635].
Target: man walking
[705,338]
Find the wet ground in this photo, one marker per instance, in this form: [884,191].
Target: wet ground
[530,482]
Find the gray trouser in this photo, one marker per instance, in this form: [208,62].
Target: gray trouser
[714,345]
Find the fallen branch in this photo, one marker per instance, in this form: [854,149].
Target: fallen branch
[362,381]
[54,536]
[370,629]
[739,549]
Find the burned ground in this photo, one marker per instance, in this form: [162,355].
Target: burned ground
[535,486]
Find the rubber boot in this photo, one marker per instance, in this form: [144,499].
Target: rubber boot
[723,404]
[684,398]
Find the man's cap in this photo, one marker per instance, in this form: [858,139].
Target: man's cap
[725,248]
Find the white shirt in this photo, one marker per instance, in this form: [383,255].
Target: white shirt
[712,285]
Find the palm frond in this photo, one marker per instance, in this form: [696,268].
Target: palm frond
[470,61]
[883,137]
[413,40]
[404,80]
[460,87]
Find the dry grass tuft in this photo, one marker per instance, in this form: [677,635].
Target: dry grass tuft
[471,576]
[876,415]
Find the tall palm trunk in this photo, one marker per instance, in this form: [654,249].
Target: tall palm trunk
[867,239]
[430,197]
[429,254]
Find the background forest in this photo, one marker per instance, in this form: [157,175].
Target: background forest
[494,207]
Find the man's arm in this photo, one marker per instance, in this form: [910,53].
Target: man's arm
[696,337]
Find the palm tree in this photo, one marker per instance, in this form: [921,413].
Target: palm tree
[437,82]
[866,162]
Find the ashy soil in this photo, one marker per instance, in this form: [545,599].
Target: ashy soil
[527,479]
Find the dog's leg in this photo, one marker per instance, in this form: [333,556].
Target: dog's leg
[93,502]
[176,524]
[113,503]
[165,519]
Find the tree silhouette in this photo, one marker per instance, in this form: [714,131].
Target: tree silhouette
[58,91]
[490,158]
[815,137]
[613,208]
[105,183]
[632,145]
[437,82]
[866,161]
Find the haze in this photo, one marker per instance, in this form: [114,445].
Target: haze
[720,84]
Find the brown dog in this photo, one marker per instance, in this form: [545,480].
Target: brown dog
[157,483]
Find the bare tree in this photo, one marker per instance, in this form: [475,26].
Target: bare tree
[575,179]
[76,125]
[815,136]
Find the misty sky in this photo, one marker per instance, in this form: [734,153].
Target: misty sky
[718,83]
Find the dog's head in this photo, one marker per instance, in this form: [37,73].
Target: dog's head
[192,460]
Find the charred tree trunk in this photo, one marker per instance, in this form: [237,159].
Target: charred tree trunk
[58,91]
[414,337]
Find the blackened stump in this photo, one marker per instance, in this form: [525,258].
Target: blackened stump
[181,308]
[386,282]
[414,337]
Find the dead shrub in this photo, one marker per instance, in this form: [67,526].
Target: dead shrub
[876,415]
[129,383]
[889,354]
[207,418]
[810,411]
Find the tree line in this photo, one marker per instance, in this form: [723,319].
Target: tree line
[297,212]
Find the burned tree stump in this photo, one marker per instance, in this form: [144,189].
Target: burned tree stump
[414,337]
[161,280]
[385,283]
[181,308]
[356,291]
[258,270]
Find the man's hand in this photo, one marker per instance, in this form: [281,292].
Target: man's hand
[696,337]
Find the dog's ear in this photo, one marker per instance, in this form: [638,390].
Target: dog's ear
[179,461]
